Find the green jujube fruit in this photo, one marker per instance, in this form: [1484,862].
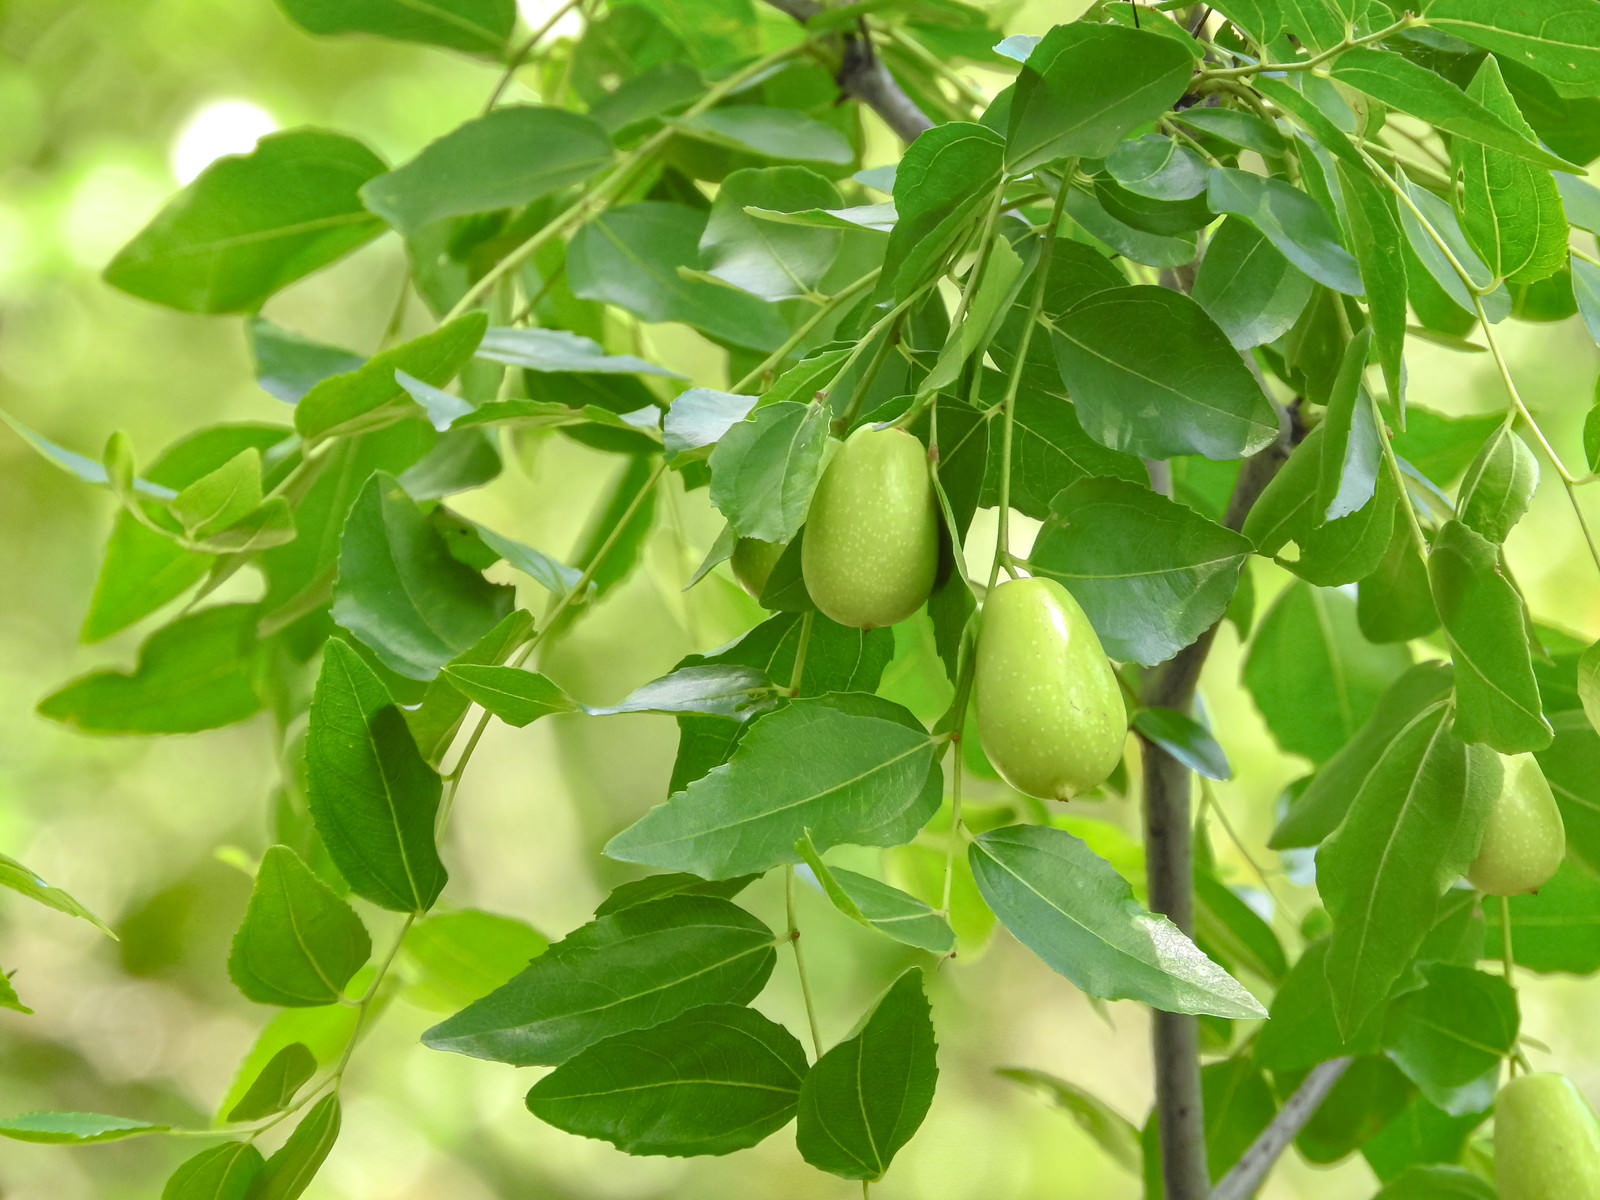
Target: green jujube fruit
[1525,839]
[872,535]
[1546,1141]
[1050,714]
[753,561]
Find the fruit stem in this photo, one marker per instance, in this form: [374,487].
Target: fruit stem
[800,651]
[1507,955]
[799,961]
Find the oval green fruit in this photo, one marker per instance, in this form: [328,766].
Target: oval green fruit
[872,536]
[1050,714]
[753,561]
[1546,1141]
[1525,839]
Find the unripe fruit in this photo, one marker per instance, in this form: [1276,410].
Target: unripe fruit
[1050,715]
[872,536]
[1525,839]
[753,561]
[1546,1141]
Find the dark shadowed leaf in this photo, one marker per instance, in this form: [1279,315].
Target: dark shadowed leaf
[1185,739]
[1450,1036]
[274,1088]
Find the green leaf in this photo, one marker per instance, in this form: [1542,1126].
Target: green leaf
[1137,245]
[677,883]
[879,906]
[370,397]
[1185,739]
[715,690]
[503,159]
[222,499]
[464,955]
[1106,1127]
[1233,933]
[766,466]
[1402,84]
[1560,39]
[225,1172]
[1450,1037]
[1238,1104]
[1291,221]
[9,998]
[1441,447]
[372,796]
[1413,826]
[1436,1182]
[253,223]
[274,1089]
[1499,485]
[288,364]
[1049,450]
[1373,233]
[1196,396]
[629,256]
[19,878]
[475,26]
[402,593]
[1441,218]
[435,722]
[1568,764]
[516,696]
[197,673]
[1351,459]
[849,768]
[1395,603]
[1159,167]
[946,178]
[993,296]
[73,1128]
[560,350]
[627,970]
[716,32]
[699,418]
[324,1031]
[1510,209]
[1556,928]
[290,1171]
[865,1098]
[1072,909]
[1085,86]
[299,943]
[1589,684]
[1252,292]
[1365,1100]
[1497,697]
[1151,574]
[1246,130]
[773,261]
[711,1081]
[1302,1031]
[769,132]
[1313,676]
[86,469]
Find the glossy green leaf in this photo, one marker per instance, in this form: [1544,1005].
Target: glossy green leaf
[1412,828]
[771,260]
[73,1128]
[19,878]
[945,178]
[197,673]
[503,159]
[402,593]
[299,943]
[1050,450]
[630,256]
[714,1080]
[289,1172]
[1441,219]
[1072,909]
[1374,236]
[1106,1127]
[1366,1099]
[1135,244]
[560,350]
[864,1099]
[464,955]
[1510,209]
[1197,397]
[719,691]
[324,1031]
[1313,676]
[436,720]
[1147,596]
[1302,1031]
[1568,764]
[766,467]
[370,397]
[475,26]
[847,768]
[1084,86]
[1560,39]
[699,417]
[1351,460]
[1589,684]
[1185,739]
[627,970]
[986,306]
[226,1172]
[1291,221]
[1497,697]
[1162,168]
[1556,928]
[770,132]
[676,883]
[516,696]
[1442,447]
[372,796]
[877,905]
[1499,485]
[1231,932]
[1450,1036]
[274,1089]
[1400,83]
[252,224]
[288,364]
[1395,602]
[1251,291]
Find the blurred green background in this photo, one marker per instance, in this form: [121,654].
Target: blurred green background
[105,107]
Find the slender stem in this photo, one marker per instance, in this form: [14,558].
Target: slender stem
[799,960]
[1507,955]
[1248,1174]
[520,55]
[858,394]
[1305,64]
[772,360]
[364,1005]
[397,315]
[1008,423]
[1211,805]
[1578,252]
[971,94]
[799,671]
[1427,226]
[1392,465]
[955,822]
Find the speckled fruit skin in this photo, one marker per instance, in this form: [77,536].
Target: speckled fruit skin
[1525,839]
[1050,714]
[1546,1141]
[872,535]
[753,561]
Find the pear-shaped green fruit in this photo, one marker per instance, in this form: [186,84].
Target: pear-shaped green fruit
[1050,715]
[753,561]
[872,536]
[1525,839]
[1546,1141]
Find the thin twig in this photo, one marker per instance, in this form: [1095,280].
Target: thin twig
[1251,1170]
